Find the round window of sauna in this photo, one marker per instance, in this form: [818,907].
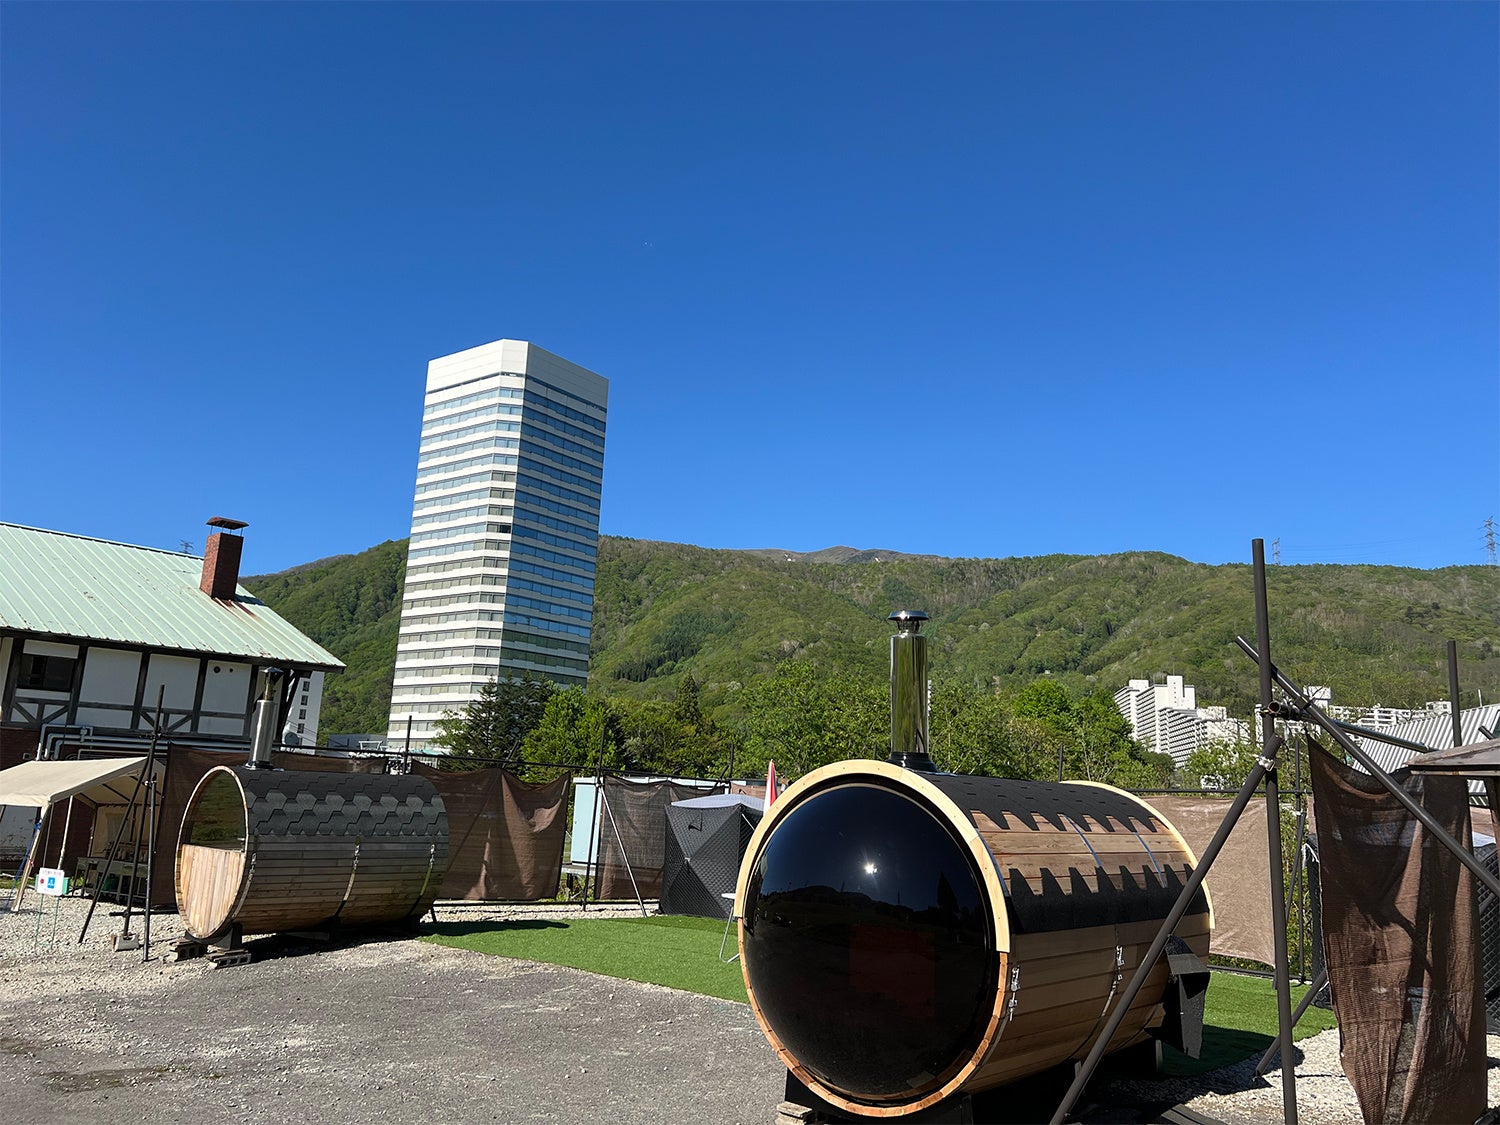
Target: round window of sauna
[217,818]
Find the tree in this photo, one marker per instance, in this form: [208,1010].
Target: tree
[574,730]
[1220,765]
[496,724]
[803,720]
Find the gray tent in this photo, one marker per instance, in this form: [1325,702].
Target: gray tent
[706,839]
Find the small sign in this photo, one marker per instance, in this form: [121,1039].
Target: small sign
[52,881]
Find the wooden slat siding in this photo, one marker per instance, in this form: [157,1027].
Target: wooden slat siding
[208,881]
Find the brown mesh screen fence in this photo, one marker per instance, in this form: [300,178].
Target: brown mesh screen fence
[505,836]
[1399,938]
[1237,880]
[633,835]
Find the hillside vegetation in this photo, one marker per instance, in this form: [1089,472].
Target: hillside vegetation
[730,619]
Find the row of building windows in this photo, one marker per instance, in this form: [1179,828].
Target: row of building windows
[472,598]
[487,562]
[579,498]
[521,532]
[464,497]
[546,659]
[542,623]
[421,619]
[450,635]
[594,455]
[555,643]
[532,467]
[455,549]
[501,510]
[583,581]
[549,423]
[494,394]
[464,529]
[467,652]
[585,531]
[433,438]
[553,591]
[429,456]
[591,518]
[468,463]
[421,588]
[437,415]
[433,671]
[541,554]
[493,476]
[531,447]
[549,607]
[552,401]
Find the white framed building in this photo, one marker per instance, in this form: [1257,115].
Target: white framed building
[504,532]
[1166,718]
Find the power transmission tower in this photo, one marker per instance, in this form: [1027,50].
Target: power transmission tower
[1489,542]
[1276,552]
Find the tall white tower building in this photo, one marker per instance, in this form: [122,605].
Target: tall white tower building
[504,530]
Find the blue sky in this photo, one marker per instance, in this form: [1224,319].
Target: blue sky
[965,279]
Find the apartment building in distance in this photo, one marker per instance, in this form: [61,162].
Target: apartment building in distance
[1166,719]
[504,531]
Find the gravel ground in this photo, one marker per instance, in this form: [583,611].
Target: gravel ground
[392,1029]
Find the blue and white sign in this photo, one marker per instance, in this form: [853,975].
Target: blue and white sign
[52,881]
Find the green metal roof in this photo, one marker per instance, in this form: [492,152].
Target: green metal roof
[61,585]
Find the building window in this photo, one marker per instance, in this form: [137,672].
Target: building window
[301,728]
[301,714]
[46,673]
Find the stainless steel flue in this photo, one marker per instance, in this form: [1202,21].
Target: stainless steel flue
[909,692]
[262,734]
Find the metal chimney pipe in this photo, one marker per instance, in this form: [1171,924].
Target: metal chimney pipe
[262,733]
[909,692]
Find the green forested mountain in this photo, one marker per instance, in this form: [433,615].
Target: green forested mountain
[730,618]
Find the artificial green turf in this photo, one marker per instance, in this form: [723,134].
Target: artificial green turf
[1239,1020]
[681,952]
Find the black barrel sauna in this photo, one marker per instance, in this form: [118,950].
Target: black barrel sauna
[908,936]
[269,850]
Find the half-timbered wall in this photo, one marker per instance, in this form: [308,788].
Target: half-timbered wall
[45,682]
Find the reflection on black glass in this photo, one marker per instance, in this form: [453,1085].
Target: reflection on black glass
[868,943]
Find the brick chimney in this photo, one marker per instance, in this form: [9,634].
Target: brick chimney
[221,558]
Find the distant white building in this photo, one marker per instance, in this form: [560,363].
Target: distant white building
[504,531]
[1166,718]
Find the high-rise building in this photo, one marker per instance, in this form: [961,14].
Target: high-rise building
[504,530]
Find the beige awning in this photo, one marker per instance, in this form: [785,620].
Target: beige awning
[100,781]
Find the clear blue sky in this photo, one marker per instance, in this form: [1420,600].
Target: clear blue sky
[956,279]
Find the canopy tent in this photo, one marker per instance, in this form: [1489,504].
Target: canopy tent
[41,785]
[706,840]
[102,781]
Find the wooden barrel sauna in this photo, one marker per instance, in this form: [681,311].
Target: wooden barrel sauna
[908,936]
[269,850]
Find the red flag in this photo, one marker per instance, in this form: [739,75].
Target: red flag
[770,783]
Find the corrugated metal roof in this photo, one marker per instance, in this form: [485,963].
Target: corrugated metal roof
[72,586]
[1435,731]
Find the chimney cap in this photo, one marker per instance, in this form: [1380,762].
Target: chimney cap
[226,523]
[908,620]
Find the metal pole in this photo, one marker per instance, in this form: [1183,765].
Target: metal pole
[1319,983]
[1159,943]
[1458,719]
[1269,740]
[1293,897]
[1312,711]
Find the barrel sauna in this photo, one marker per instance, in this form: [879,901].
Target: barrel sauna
[268,850]
[909,936]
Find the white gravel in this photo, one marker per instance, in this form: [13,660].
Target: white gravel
[43,938]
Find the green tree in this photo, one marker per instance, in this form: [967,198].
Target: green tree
[802,720]
[1220,765]
[496,724]
[573,731]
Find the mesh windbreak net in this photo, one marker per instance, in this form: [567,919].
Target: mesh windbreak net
[633,835]
[505,836]
[1401,945]
[1237,880]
